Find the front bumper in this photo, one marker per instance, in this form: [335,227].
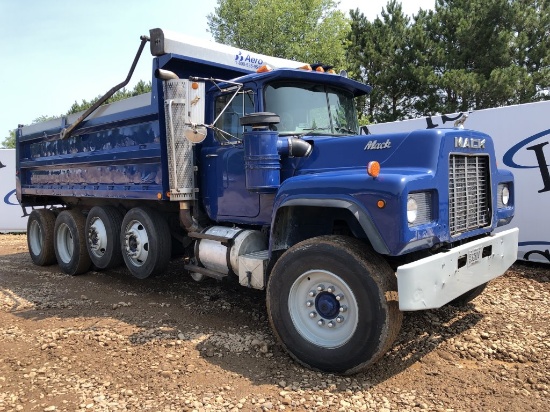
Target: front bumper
[436,280]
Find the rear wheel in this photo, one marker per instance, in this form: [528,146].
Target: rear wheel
[146,242]
[103,236]
[70,242]
[40,228]
[332,303]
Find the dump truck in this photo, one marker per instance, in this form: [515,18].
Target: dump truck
[252,170]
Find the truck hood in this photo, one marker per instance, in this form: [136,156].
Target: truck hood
[419,149]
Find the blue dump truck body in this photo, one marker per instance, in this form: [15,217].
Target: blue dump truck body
[262,177]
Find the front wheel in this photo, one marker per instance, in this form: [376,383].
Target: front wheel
[332,303]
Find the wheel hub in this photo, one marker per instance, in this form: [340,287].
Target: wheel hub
[97,238]
[326,305]
[323,308]
[136,243]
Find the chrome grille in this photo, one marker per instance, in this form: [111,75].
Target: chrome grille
[469,193]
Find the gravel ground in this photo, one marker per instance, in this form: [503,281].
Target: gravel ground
[105,341]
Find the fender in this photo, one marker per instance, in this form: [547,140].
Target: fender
[363,218]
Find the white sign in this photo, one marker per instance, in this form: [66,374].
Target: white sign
[11,219]
[521,135]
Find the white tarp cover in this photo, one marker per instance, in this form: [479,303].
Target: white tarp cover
[10,211]
[521,135]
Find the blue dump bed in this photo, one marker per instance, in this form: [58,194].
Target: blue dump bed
[116,153]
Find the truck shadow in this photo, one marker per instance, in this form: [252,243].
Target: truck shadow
[226,324]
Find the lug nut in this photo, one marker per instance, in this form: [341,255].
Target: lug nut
[320,288]
[343,308]
[331,289]
[321,322]
[312,314]
[339,297]
[309,303]
[311,293]
[339,319]
[330,324]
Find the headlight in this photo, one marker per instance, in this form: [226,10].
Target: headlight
[412,210]
[420,208]
[503,195]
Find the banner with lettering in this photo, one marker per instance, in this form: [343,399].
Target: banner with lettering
[11,219]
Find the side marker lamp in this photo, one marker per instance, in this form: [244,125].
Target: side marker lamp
[373,168]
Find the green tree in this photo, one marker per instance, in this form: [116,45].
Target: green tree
[484,53]
[379,55]
[9,141]
[309,30]
[141,87]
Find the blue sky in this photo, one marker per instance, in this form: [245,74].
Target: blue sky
[56,52]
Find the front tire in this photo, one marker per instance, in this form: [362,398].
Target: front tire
[40,234]
[70,242]
[467,297]
[145,242]
[332,303]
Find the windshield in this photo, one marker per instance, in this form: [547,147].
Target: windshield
[307,108]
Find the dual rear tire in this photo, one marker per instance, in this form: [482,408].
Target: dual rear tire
[105,238]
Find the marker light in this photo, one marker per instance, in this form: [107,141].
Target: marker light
[381,204]
[194,85]
[264,68]
[306,67]
[320,69]
[373,168]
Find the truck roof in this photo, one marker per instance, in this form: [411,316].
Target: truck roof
[336,80]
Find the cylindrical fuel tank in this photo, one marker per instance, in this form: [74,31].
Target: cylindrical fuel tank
[224,257]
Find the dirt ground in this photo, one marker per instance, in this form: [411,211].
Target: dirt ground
[105,341]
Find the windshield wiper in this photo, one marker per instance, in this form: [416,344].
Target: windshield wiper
[345,130]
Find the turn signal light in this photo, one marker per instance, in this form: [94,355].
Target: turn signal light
[373,168]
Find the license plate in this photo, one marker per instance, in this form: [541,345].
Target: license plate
[474,256]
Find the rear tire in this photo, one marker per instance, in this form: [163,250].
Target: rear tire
[145,242]
[103,236]
[70,242]
[332,304]
[40,230]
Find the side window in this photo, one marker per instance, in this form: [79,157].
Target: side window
[228,122]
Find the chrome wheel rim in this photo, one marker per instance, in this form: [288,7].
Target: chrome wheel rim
[323,308]
[97,238]
[65,244]
[136,243]
[35,238]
